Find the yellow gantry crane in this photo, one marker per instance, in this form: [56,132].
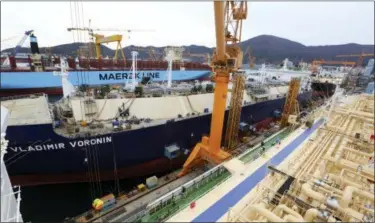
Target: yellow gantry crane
[99,39]
[227,58]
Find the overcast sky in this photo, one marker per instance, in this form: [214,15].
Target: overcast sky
[185,23]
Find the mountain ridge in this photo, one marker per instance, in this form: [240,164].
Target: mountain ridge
[266,49]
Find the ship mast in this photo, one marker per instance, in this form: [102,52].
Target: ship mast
[169,58]
[134,66]
[68,88]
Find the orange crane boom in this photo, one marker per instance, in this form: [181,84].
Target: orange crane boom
[360,57]
[226,59]
[251,57]
[318,62]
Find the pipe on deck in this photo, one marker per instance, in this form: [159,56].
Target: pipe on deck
[262,211]
[292,218]
[348,196]
[307,191]
[278,211]
[311,214]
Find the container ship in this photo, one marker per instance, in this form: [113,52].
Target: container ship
[33,73]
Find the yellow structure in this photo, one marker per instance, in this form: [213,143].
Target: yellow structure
[99,39]
[227,58]
[231,135]
[97,204]
[141,187]
[291,104]
[251,57]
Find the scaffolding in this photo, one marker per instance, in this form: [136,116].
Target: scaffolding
[233,122]
[291,104]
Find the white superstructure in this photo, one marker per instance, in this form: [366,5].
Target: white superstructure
[10,196]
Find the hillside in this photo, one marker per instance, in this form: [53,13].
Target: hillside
[265,48]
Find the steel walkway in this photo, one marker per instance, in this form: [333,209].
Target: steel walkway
[218,209]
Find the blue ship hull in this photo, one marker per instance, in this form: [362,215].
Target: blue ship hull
[30,80]
[43,157]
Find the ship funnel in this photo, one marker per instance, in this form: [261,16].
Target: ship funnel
[34,44]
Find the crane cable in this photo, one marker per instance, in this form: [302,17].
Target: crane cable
[86,81]
[74,18]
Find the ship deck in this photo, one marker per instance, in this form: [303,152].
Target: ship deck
[279,186]
[214,206]
[27,110]
[206,189]
[127,208]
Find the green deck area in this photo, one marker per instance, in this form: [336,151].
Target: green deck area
[253,153]
[176,204]
[169,208]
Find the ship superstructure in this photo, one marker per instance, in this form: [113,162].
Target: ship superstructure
[10,195]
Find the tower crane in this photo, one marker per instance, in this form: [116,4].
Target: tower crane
[360,57]
[227,58]
[27,34]
[21,42]
[153,54]
[201,55]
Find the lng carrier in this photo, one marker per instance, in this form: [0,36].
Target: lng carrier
[144,129]
[111,133]
[181,204]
